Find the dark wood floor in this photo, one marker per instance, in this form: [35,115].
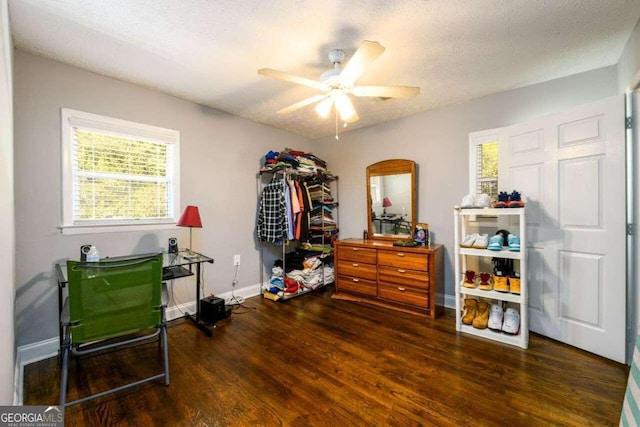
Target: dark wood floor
[318,361]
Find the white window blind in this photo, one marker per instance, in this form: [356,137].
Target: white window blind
[118,173]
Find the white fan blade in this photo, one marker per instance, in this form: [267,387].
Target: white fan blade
[364,56]
[386,91]
[281,75]
[293,107]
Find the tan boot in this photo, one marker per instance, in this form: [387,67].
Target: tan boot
[470,311]
[500,283]
[514,283]
[482,318]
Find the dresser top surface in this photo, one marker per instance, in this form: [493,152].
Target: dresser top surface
[385,244]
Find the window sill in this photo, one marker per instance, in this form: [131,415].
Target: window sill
[96,229]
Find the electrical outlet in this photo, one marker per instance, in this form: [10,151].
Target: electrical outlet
[236,260]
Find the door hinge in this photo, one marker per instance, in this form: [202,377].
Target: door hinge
[629,229]
[628,123]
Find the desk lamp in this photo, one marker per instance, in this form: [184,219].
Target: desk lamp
[190,218]
[385,204]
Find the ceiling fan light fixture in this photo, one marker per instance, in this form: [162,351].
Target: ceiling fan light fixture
[324,107]
[344,106]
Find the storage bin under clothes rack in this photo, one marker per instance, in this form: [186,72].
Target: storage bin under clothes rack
[323,228]
[461,228]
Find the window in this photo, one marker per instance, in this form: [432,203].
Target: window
[117,174]
[487,169]
[483,164]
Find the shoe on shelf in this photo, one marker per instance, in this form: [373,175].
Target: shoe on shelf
[481,242]
[514,243]
[470,311]
[495,317]
[468,240]
[495,243]
[483,201]
[468,201]
[503,200]
[485,282]
[515,200]
[469,279]
[514,282]
[482,318]
[511,323]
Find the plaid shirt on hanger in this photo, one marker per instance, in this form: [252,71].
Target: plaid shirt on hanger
[272,215]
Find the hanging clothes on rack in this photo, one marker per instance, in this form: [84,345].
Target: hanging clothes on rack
[272,224]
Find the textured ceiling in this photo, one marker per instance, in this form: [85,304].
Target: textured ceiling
[209,51]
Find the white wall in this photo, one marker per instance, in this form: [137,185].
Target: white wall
[220,156]
[7,237]
[629,63]
[438,142]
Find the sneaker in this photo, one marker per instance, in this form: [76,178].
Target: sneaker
[515,200]
[469,279]
[495,317]
[468,201]
[503,200]
[482,240]
[511,324]
[482,318]
[514,282]
[514,243]
[485,282]
[495,243]
[470,311]
[468,240]
[483,201]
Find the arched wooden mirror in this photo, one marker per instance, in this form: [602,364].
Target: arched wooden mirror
[391,199]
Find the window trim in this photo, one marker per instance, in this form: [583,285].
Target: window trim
[116,127]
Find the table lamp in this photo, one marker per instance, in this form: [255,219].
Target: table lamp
[190,218]
[385,204]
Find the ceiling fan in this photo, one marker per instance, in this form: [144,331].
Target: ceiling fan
[337,84]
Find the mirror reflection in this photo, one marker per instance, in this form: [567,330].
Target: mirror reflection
[391,199]
[391,203]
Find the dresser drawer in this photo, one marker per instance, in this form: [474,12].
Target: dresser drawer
[360,286]
[404,294]
[358,269]
[353,253]
[401,259]
[403,277]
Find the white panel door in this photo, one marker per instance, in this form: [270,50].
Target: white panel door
[570,168]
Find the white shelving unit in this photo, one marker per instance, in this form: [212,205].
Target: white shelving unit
[462,218]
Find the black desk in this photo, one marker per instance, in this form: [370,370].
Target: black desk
[174,266]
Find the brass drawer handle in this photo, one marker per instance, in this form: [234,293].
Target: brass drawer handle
[401,270]
[355,249]
[400,288]
[355,264]
[356,280]
[400,254]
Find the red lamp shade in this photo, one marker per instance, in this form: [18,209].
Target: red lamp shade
[385,203]
[190,217]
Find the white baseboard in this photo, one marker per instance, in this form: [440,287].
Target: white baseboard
[32,353]
[449,301]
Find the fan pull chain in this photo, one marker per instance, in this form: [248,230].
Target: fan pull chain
[337,137]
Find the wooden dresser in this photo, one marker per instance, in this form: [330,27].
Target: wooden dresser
[375,271]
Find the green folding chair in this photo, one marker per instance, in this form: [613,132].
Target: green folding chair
[110,299]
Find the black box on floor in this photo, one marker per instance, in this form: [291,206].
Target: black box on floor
[213,309]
